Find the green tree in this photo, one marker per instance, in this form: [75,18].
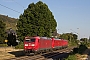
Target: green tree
[72,38]
[2,31]
[69,36]
[75,36]
[84,40]
[37,19]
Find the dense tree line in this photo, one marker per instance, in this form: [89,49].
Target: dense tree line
[37,20]
[2,31]
[71,37]
[5,24]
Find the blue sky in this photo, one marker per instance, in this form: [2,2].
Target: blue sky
[71,15]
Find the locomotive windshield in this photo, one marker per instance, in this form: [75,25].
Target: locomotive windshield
[30,40]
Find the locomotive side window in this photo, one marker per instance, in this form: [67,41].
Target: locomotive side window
[30,40]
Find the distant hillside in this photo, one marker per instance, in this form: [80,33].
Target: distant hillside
[10,22]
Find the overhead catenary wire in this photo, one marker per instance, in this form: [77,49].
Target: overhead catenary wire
[9,8]
[18,4]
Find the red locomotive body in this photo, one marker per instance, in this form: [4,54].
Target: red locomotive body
[33,44]
[29,44]
[45,43]
[57,43]
[60,43]
[66,43]
[38,44]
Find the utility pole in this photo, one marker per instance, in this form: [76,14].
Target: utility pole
[78,34]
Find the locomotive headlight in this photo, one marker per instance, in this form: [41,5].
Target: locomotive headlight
[33,45]
[26,44]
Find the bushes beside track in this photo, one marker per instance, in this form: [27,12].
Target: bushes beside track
[72,43]
[78,50]
[3,45]
[20,46]
[71,57]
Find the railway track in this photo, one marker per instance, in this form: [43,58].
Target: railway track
[47,56]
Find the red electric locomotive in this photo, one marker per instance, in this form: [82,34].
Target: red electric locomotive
[39,44]
[59,43]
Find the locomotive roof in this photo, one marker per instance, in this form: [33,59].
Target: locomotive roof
[57,39]
[44,38]
[60,39]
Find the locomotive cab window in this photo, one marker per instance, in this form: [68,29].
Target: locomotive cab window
[30,40]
